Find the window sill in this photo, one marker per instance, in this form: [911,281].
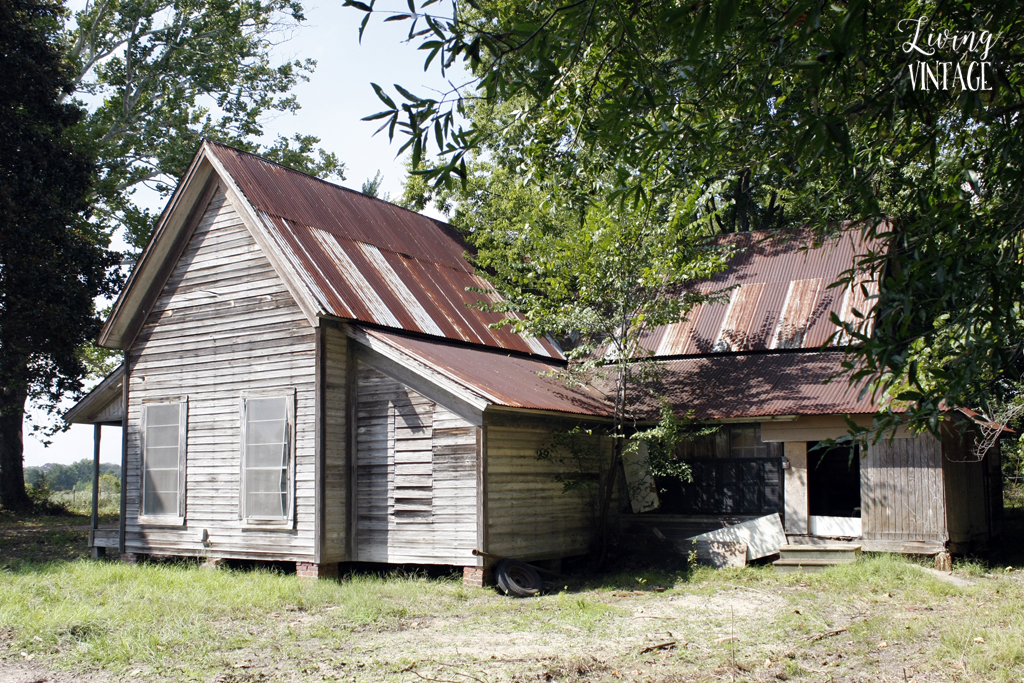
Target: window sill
[268,525]
[153,520]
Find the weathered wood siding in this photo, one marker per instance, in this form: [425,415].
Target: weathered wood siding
[529,514]
[224,323]
[335,416]
[902,492]
[416,463]
[969,490]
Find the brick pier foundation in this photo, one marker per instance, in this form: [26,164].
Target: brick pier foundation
[311,570]
[477,577]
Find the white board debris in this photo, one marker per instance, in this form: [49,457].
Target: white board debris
[643,494]
[763,536]
[720,554]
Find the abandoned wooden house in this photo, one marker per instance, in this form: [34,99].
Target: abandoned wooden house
[306,381]
[758,366]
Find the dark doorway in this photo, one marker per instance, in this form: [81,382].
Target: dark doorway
[833,480]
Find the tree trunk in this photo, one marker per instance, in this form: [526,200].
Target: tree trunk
[613,471]
[12,451]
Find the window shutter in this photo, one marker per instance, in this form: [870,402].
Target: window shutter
[414,461]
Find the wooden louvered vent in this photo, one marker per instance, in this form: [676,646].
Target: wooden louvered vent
[413,489]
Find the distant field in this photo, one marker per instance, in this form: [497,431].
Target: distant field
[884,619]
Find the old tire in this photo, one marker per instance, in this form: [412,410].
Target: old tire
[517,579]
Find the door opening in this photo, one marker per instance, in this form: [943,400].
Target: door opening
[833,480]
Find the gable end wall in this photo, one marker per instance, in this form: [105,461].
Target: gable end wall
[223,324]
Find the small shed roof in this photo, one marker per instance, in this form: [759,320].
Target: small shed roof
[503,379]
[102,405]
[780,296]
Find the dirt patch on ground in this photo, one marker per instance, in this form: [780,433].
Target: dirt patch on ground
[30,672]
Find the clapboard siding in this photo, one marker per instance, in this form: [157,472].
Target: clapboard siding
[902,492]
[224,324]
[529,514]
[336,465]
[416,499]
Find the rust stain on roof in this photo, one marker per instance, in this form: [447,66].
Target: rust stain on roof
[735,334]
[766,309]
[858,300]
[503,379]
[367,260]
[796,313]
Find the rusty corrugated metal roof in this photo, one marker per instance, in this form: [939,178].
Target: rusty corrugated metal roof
[781,298]
[367,260]
[503,379]
[761,384]
[716,387]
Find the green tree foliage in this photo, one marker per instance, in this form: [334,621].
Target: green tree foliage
[157,76]
[807,108]
[593,274]
[77,475]
[371,187]
[53,263]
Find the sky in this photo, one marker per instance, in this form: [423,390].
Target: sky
[337,96]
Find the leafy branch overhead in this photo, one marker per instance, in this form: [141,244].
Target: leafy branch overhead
[158,76]
[808,112]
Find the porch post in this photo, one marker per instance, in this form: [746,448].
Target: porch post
[797,521]
[96,433]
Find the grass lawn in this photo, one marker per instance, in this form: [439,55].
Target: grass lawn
[68,618]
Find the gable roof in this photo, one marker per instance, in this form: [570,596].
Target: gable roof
[781,297]
[342,254]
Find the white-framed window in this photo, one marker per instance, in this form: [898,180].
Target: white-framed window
[268,459]
[164,431]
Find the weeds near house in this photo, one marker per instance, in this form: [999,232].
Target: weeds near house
[79,502]
[180,622]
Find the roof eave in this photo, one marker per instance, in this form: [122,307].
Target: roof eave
[123,322]
[102,394]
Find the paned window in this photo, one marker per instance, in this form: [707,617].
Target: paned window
[745,442]
[163,460]
[267,458]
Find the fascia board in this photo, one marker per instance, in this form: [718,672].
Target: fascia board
[116,332]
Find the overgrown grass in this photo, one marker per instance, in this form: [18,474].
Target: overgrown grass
[183,622]
[178,621]
[80,502]
[114,615]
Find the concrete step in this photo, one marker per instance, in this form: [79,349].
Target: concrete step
[846,552]
[808,565]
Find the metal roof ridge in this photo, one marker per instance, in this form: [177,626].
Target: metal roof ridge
[748,352]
